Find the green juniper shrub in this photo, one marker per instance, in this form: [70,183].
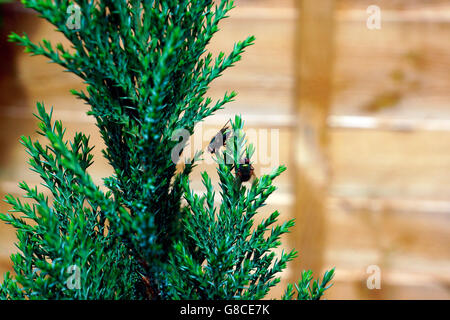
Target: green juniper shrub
[147,70]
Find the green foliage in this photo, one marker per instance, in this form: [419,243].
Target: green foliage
[71,232]
[147,70]
[304,289]
[223,255]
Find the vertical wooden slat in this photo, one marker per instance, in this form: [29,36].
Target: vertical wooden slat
[315,51]
[314,61]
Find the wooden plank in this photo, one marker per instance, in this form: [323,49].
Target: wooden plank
[399,71]
[423,235]
[344,288]
[383,123]
[392,5]
[314,47]
[377,164]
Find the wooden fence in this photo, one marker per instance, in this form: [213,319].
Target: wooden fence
[362,118]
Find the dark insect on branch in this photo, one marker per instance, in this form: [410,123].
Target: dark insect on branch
[245,170]
[219,139]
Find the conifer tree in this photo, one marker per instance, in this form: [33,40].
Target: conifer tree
[147,70]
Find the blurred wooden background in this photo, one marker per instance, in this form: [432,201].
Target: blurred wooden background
[363,120]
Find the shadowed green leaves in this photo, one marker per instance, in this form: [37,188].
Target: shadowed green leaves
[69,230]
